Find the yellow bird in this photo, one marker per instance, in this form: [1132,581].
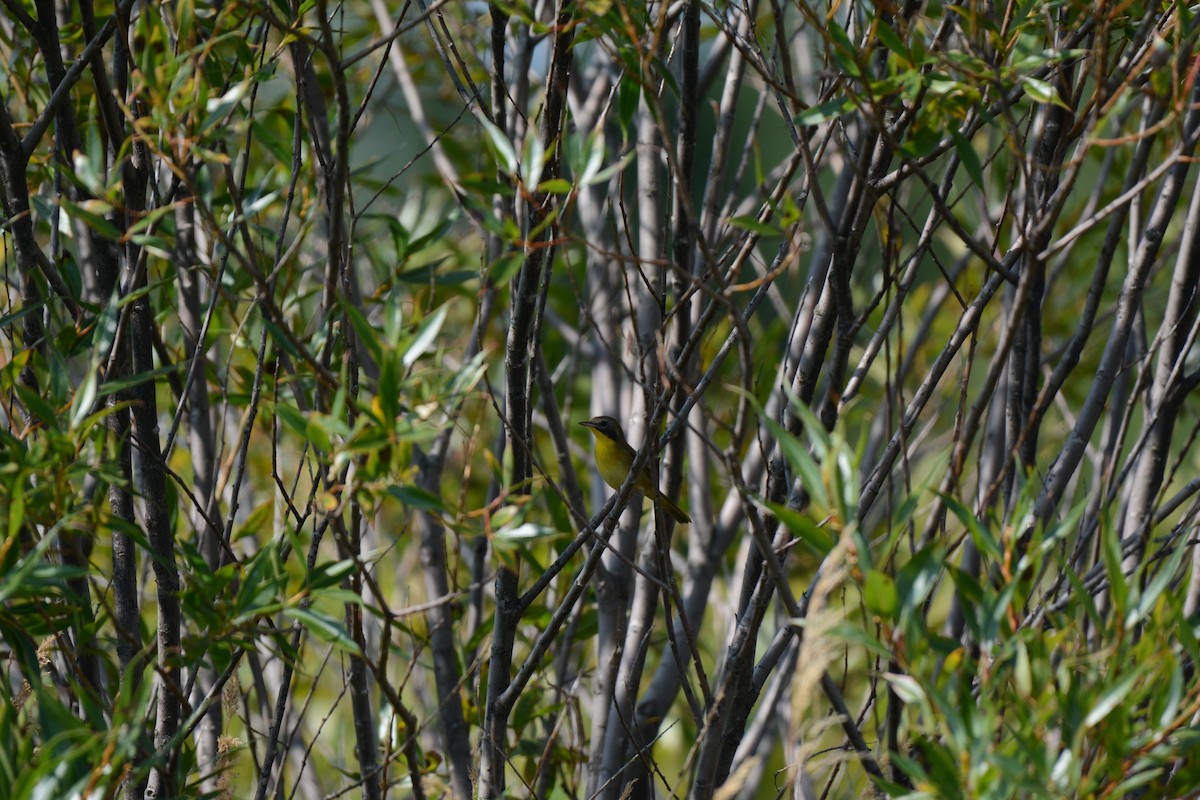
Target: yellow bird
[614,457]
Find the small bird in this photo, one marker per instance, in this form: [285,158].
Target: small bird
[614,457]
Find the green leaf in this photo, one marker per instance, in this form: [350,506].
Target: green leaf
[18,579]
[218,109]
[19,314]
[1111,699]
[324,627]
[1082,596]
[506,154]
[971,599]
[879,593]
[105,331]
[1149,774]
[906,688]
[533,158]
[968,157]
[1173,699]
[258,593]
[1023,670]
[1186,629]
[40,409]
[425,336]
[819,113]
[629,94]
[281,339]
[664,71]
[527,531]
[749,223]
[914,770]
[985,542]
[818,437]
[507,266]
[318,431]
[844,51]
[917,579]
[465,379]
[1110,545]
[389,379]
[416,497]
[85,398]
[259,520]
[555,186]
[922,141]
[16,511]
[292,418]
[1163,578]
[121,384]
[593,172]
[799,523]
[891,39]
[1042,92]
[943,768]
[330,573]
[854,635]
[363,329]
[802,462]
[91,213]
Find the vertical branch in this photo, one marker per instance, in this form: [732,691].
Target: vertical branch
[685,227]
[442,641]
[519,350]
[338,283]
[203,450]
[153,484]
[1165,396]
[1141,262]
[33,266]
[153,489]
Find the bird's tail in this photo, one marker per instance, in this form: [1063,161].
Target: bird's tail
[675,511]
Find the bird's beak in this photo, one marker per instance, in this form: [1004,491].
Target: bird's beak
[587,423]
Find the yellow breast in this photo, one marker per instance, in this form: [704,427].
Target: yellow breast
[613,461]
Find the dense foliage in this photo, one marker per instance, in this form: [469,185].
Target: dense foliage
[302,303]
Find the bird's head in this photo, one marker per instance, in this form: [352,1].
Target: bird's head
[605,426]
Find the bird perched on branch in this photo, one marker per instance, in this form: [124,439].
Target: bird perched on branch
[614,458]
